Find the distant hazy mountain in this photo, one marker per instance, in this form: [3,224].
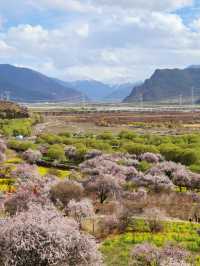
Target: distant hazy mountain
[26,85]
[194,66]
[169,85]
[101,92]
[120,92]
[95,90]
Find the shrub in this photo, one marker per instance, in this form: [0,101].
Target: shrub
[125,134]
[155,182]
[20,145]
[108,224]
[26,171]
[102,146]
[81,150]
[151,157]
[50,139]
[144,166]
[75,175]
[195,168]
[66,134]
[27,193]
[104,187]
[166,168]
[15,127]
[174,255]
[71,152]
[148,255]
[107,165]
[188,157]
[2,157]
[145,255]
[177,154]
[43,237]
[153,220]
[154,217]
[105,136]
[194,180]
[32,156]
[56,152]
[124,220]
[3,146]
[92,154]
[54,172]
[171,152]
[80,210]
[181,178]
[139,148]
[65,191]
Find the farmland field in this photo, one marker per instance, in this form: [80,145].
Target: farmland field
[164,119]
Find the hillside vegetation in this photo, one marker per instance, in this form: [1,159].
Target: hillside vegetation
[10,110]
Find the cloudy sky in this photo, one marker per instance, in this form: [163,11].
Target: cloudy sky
[107,40]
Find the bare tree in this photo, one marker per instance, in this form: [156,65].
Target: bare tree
[104,186]
[65,191]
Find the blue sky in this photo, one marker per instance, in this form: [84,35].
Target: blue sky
[108,40]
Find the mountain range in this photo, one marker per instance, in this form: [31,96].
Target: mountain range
[26,85]
[169,85]
[120,92]
[165,85]
[97,91]
[23,84]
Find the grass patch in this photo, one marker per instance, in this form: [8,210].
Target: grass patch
[116,249]
[14,160]
[60,173]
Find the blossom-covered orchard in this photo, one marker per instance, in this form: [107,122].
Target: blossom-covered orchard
[48,221]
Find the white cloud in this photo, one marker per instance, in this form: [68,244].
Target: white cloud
[126,41]
[65,5]
[83,30]
[91,5]
[125,51]
[153,5]
[27,34]
[19,7]
[5,49]
[2,21]
[195,24]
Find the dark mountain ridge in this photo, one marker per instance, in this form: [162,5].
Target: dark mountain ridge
[168,85]
[26,85]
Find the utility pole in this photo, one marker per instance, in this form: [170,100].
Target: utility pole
[7,95]
[180,99]
[83,100]
[141,100]
[192,95]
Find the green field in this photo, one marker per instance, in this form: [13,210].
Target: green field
[116,249]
